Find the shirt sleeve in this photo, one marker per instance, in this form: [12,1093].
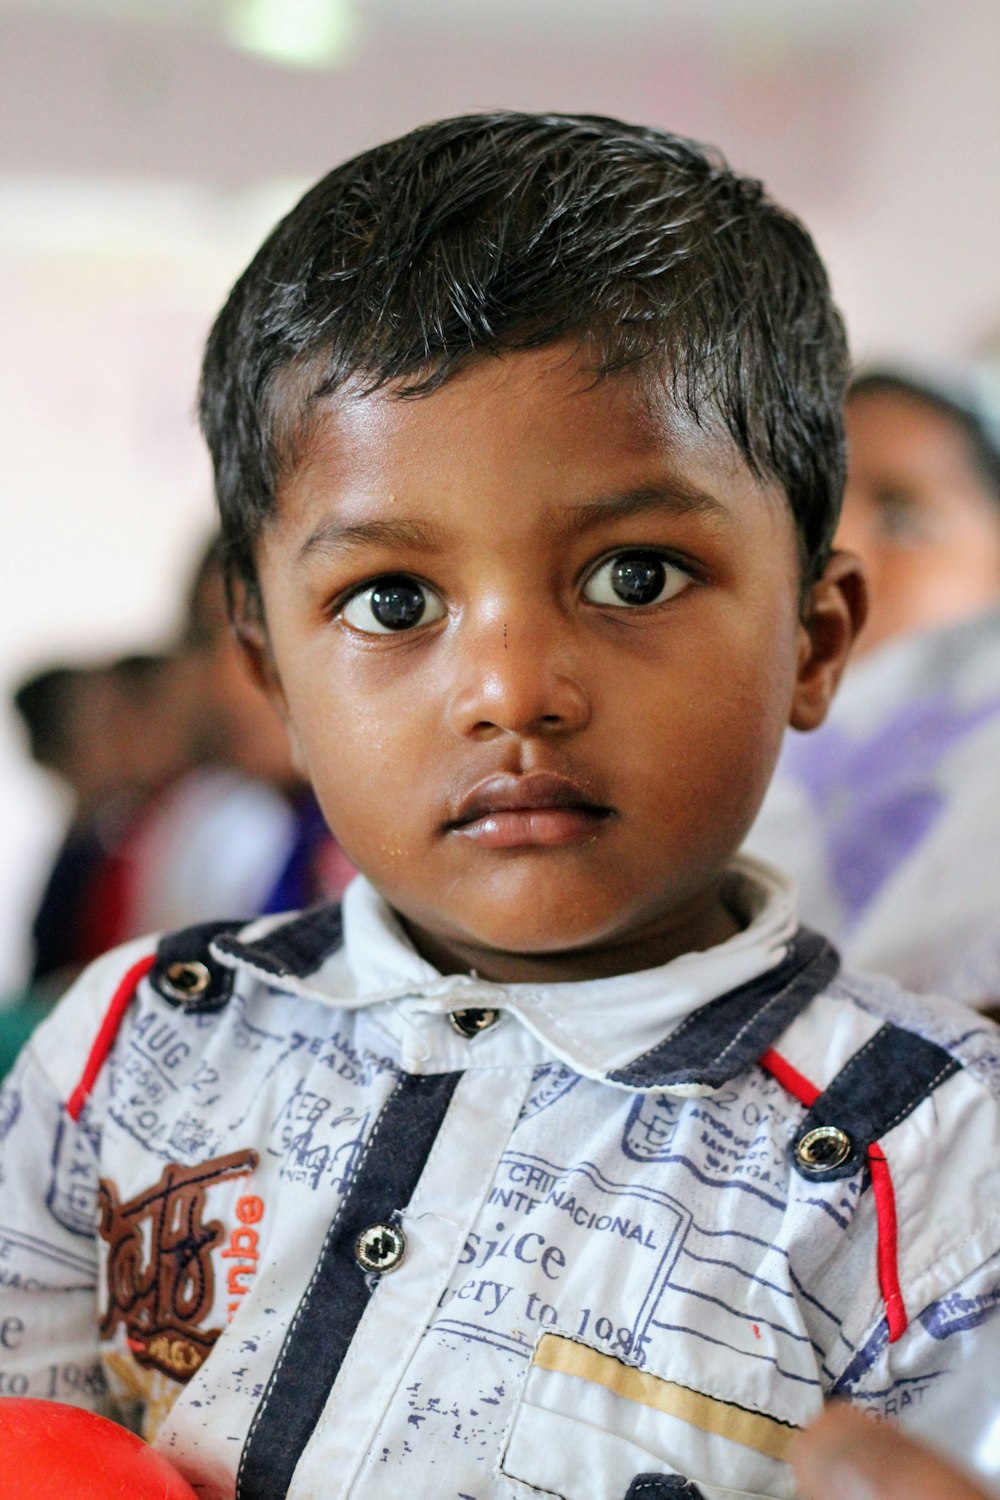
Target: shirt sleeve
[938,1252]
[48,1255]
[49,1172]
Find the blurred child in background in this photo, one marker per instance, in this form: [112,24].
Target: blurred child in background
[922,503]
[241,831]
[184,803]
[113,735]
[889,816]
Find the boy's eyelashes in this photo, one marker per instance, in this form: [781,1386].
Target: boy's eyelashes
[628,579]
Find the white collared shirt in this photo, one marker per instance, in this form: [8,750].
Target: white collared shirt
[600,1260]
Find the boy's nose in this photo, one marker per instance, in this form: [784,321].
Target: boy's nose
[517,680]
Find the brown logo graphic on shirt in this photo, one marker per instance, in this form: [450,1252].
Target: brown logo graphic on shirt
[161,1283]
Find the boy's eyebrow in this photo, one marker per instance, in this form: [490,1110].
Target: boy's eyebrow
[333,536]
[677,500]
[388,531]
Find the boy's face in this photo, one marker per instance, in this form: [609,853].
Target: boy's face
[537,638]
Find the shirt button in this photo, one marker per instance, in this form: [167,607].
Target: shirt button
[823,1149]
[187,981]
[380,1248]
[470,1023]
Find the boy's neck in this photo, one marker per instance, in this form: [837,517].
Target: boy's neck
[702,925]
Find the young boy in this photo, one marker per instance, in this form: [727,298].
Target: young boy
[562,1161]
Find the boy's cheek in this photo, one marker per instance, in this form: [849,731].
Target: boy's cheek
[296,751]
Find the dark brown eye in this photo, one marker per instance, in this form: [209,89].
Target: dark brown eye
[634,579]
[391,604]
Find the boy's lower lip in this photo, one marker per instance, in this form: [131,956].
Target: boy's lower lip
[533,827]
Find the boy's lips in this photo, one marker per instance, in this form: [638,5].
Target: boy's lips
[538,808]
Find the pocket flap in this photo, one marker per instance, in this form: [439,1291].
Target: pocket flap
[586,1424]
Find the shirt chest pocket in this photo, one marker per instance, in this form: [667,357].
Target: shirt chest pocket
[588,1427]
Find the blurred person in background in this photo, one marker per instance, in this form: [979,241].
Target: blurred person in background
[111,734]
[186,806]
[889,816]
[241,831]
[922,503]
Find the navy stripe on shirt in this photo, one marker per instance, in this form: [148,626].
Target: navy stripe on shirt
[335,1300]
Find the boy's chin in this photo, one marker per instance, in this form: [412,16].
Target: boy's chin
[503,939]
[497,947]
[568,945]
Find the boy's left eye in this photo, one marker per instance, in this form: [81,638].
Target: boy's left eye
[634,579]
[391,604]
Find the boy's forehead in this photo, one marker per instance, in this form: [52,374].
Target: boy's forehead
[519,455]
[546,406]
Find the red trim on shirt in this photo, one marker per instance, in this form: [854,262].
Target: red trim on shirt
[885,1198]
[888,1249]
[104,1040]
[790,1078]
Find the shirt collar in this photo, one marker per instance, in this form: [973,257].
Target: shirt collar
[684,1027]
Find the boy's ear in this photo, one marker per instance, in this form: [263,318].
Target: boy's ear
[255,647]
[251,635]
[834,613]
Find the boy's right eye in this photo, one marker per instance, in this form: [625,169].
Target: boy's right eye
[391,604]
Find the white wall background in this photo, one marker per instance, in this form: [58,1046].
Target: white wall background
[143,156]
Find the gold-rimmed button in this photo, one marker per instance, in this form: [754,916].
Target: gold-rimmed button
[471,1021]
[824,1148]
[188,980]
[380,1248]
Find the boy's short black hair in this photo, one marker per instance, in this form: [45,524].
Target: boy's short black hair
[492,233]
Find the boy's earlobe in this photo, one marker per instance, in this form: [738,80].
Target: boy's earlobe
[251,634]
[831,620]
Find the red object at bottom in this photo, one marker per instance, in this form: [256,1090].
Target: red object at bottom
[49,1451]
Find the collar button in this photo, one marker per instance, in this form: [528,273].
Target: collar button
[187,981]
[471,1022]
